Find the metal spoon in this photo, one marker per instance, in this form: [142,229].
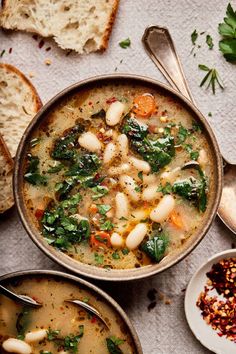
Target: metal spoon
[28,301]
[90,309]
[160,47]
[22,299]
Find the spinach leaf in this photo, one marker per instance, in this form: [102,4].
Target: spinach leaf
[193,190]
[155,247]
[23,321]
[85,165]
[112,346]
[65,146]
[55,169]
[32,174]
[134,130]
[157,153]
[166,189]
[107,226]
[182,135]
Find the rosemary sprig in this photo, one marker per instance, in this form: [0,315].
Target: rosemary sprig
[211,79]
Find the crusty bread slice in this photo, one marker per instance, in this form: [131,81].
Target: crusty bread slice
[81,25]
[19,102]
[6,169]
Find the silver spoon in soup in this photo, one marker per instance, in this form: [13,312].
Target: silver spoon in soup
[160,47]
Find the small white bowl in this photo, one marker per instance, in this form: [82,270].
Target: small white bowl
[202,331]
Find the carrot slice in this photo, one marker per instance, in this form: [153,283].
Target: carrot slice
[100,239]
[93,208]
[144,105]
[176,220]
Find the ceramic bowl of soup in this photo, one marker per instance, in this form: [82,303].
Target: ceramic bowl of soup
[118,177]
[59,326]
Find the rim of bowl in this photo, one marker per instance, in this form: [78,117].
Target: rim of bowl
[114,305]
[116,274]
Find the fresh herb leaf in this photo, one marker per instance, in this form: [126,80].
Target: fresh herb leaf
[115,255]
[99,192]
[103,208]
[133,129]
[116,340]
[107,226]
[23,321]
[99,258]
[85,165]
[228,31]
[125,43]
[71,342]
[140,175]
[56,168]
[194,37]
[211,78]
[137,189]
[112,346]
[166,189]
[125,251]
[2,53]
[182,134]
[32,174]
[194,155]
[209,41]
[155,247]
[52,334]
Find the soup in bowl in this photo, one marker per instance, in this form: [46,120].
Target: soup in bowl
[116,178]
[59,326]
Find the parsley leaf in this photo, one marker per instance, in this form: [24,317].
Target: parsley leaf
[125,43]
[99,192]
[228,31]
[52,334]
[99,258]
[103,208]
[209,41]
[194,37]
[32,174]
[107,226]
[166,189]
[112,346]
[115,255]
[155,247]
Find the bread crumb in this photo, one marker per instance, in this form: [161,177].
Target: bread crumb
[31,74]
[48,62]
[167,302]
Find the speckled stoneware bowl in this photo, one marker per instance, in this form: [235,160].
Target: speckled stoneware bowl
[127,274]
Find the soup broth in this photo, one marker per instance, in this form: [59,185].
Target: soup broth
[118,176]
[58,326]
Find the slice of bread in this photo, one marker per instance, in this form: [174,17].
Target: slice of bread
[19,102]
[81,25]
[6,169]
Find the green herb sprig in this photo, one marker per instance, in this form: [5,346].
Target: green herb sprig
[211,78]
[228,31]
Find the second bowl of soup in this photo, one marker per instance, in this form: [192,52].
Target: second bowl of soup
[118,177]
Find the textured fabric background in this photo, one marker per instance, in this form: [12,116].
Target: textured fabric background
[164,329]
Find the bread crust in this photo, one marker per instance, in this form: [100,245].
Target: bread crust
[108,29]
[8,67]
[9,161]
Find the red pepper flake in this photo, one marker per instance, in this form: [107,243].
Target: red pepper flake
[41,43]
[94,319]
[221,314]
[90,103]
[35,37]
[111,100]
[10,50]
[39,214]
[47,49]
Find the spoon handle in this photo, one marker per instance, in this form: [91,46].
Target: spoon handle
[160,47]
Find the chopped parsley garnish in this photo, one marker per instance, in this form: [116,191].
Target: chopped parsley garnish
[211,78]
[182,135]
[103,208]
[140,175]
[228,32]
[99,258]
[115,255]
[166,189]
[107,226]
[52,334]
[125,251]
[71,342]
[137,189]
[54,169]
[113,345]
[99,192]
[125,43]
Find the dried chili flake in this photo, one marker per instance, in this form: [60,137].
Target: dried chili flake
[10,50]
[35,37]
[111,100]
[41,43]
[47,49]
[220,314]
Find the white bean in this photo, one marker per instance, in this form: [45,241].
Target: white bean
[116,240]
[35,336]
[123,146]
[139,214]
[140,165]
[109,153]
[150,193]
[130,187]
[13,345]
[170,176]
[122,205]
[90,142]
[149,179]
[163,209]
[114,113]
[124,167]
[136,236]
[202,158]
